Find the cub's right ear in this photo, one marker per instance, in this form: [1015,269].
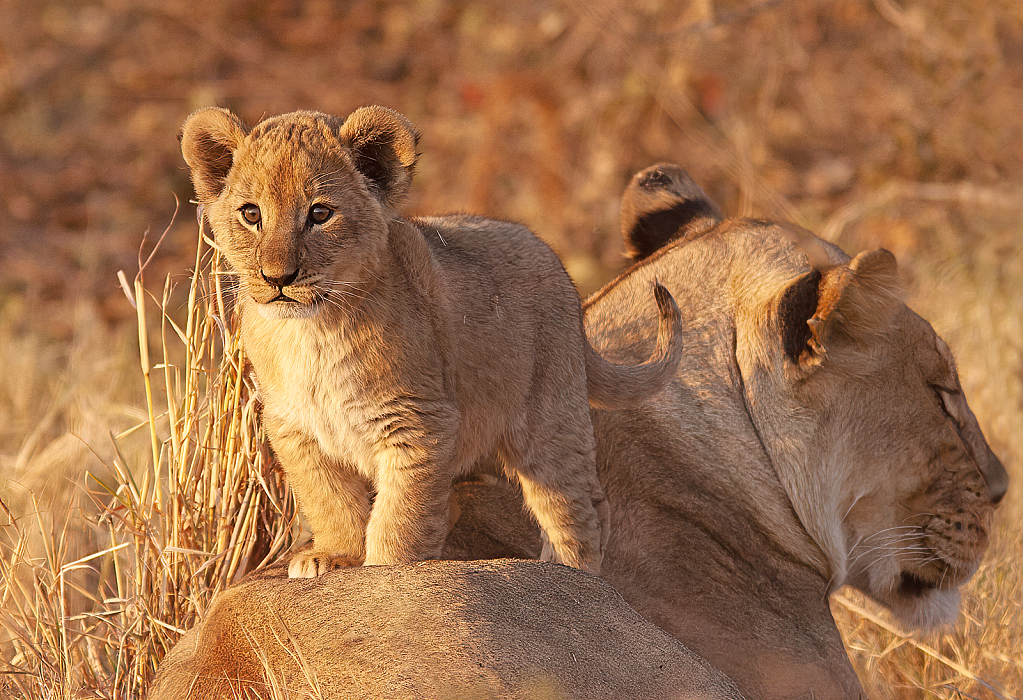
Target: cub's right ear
[209,138]
[383,144]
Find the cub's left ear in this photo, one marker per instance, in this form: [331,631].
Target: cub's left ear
[383,144]
[839,304]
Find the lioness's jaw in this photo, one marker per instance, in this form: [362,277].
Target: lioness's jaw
[919,608]
[916,601]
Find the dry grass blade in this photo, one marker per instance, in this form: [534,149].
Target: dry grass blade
[207,509]
[925,648]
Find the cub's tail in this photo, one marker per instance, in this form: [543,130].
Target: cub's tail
[613,387]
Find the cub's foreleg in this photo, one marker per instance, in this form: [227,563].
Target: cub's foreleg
[412,510]
[335,501]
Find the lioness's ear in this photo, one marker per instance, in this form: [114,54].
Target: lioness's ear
[209,138]
[663,204]
[844,300]
[383,144]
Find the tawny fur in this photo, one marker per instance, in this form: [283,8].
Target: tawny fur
[816,436]
[503,630]
[393,353]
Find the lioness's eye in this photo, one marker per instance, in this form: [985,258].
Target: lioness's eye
[250,212]
[942,401]
[319,213]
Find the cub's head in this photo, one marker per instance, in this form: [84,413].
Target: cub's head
[300,204]
[883,458]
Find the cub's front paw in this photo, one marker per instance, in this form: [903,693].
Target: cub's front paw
[311,564]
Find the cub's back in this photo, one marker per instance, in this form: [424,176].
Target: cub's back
[477,254]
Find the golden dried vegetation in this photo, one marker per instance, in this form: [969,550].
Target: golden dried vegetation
[129,500]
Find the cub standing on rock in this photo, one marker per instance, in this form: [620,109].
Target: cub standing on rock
[392,353]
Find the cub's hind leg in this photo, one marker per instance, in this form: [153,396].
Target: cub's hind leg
[335,501]
[560,487]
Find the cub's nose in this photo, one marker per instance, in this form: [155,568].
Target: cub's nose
[280,282]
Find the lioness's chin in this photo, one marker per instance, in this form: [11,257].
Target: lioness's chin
[919,605]
[279,310]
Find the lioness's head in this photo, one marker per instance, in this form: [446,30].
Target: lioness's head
[859,404]
[300,204]
[856,399]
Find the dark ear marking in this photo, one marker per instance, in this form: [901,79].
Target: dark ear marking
[654,230]
[663,204]
[797,306]
[373,160]
[836,304]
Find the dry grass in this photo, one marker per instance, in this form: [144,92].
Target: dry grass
[876,122]
[178,525]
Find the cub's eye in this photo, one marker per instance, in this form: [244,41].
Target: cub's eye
[319,213]
[250,212]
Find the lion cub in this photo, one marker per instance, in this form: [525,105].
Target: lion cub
[392,353]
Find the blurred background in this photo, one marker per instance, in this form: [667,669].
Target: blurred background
[871,122]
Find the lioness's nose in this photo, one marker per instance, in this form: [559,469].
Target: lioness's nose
[282,281]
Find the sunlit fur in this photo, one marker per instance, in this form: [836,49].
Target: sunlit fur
[392,353]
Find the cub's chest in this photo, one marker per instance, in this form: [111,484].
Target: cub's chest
[306,390]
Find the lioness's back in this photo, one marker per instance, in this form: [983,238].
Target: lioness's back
[500,629]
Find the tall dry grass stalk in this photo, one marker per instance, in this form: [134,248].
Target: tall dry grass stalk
[201,512]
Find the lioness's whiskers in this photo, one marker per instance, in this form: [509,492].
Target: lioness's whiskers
[903,541]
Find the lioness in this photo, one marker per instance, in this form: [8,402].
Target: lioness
[391,352]
[816,436]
